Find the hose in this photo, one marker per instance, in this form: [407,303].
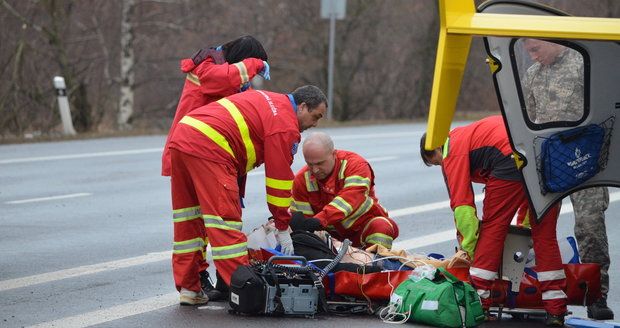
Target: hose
[341,253]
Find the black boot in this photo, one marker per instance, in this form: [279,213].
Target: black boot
[554,320]
[207,287]
[600,311]
[221,286]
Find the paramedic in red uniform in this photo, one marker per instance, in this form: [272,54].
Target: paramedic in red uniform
[214,73]
[481,153]
[210,148]
[211,74]
[336,192]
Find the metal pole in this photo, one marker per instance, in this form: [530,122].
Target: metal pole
[330,69]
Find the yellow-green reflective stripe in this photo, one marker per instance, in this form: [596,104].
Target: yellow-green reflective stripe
[188,246]
[342,205]
[230,251]
[303,207]
[310,185]
[208,131]
[186,214]
[379,238]
[356,180]
[243,72]
[343,166]
[347,223]
[212,221]
[279,201]
[445,148]
[243,130]
[193,78]
[279,184]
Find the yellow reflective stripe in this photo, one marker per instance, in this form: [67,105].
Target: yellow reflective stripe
[365,207]
[342,205]
[208,131]
[356,180]
[243,130]
[343,166]
[188,246]
[304,207]
[279,184]
[279,201]
[379,238]
[214,221]
[243,72]
[445,148]
[230,251]
[310,185]
[186,214]
[193,78]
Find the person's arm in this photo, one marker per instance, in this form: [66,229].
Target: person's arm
[279,176]
[301,195]
[353,200]
[458,180]
[226,78]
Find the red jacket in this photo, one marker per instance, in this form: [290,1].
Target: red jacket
[345,200]
[473,153]
[246,130]
[206,82]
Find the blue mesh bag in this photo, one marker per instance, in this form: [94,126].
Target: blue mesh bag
[571,157]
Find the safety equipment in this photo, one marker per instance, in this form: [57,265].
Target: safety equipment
[300,223]
[285,241]
[265,71]
[444,301]
[467,225]
[345,202]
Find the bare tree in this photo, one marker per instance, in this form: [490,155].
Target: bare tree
[127,75]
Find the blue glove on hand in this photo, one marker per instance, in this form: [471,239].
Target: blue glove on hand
[265,71]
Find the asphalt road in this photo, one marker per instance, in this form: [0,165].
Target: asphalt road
[85,229]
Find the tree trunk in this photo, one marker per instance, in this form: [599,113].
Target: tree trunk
[127,78]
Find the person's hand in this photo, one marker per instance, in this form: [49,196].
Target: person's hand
[300,222]
[265,71]
[285,241]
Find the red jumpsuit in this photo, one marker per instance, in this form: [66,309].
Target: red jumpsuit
[481,153]
[208,81]
[345,202]
[210,148]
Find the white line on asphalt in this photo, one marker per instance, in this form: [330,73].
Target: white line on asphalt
[412,243]
[84,155]
[159,150]
[83,270]
[43,199]
[114,312]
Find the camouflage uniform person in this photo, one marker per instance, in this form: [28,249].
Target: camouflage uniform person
[553,89]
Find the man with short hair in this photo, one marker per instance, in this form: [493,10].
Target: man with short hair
[554,92]
[210,148]
[335,192]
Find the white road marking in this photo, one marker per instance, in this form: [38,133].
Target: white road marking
[412,243]
[114,312]
[84,155]
[83,270]
[159,150]
[43,199]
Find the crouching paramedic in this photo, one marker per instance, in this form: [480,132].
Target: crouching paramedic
[481,153]
[210,148]
[335,192]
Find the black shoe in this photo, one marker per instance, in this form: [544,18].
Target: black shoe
[600,311]
[212,293]
[554,320]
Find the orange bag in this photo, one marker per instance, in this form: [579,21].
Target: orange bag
[376,286]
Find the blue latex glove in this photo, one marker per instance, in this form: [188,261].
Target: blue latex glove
[265,71]
[245,86]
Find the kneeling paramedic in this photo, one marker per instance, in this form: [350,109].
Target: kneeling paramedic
[210,148]
[481,153]
[335,192]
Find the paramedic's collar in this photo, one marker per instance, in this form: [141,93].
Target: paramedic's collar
[293,103]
